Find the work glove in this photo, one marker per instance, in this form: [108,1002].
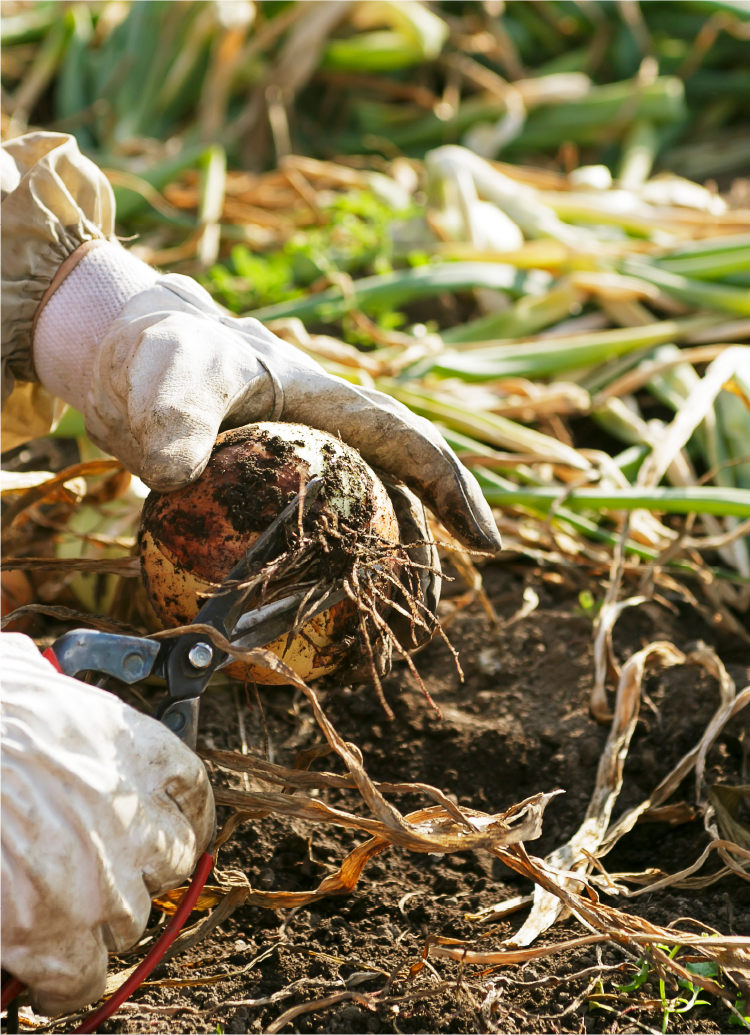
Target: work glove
[158,369]
[102,808]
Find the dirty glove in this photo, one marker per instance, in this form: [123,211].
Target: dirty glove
[102,808]
[157,368]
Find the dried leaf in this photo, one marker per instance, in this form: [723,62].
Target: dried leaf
[125,567]
[726,800]
[209,897]
[67,614]
[573,856]
[89,469]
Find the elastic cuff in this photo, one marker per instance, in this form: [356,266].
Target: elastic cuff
[63,271]
[81,304]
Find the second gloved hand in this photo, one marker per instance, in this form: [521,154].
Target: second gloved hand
[102,808]
[157,368]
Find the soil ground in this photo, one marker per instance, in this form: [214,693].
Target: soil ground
[519,724]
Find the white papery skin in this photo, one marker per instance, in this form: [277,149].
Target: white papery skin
[102,808]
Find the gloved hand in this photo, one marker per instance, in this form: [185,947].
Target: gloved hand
[157,368]
[102,808]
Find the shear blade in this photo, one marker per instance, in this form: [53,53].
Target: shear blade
[226,605]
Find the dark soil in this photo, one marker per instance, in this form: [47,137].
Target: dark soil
[518,725]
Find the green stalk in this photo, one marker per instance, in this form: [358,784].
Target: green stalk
[488,427]
[619,421]
[527,316]
[391,290]
[29,25]
[639,150]
[550,356]
[492,483]
[696,293]
[213,189]
[629,460]
[71,96]
[734,420]
[598,378]
[158,175]
[708,246]
[43,67]
[710,263]
[588,120]
[739,279]
[382,51]
[463,445]
[415,35]
[583,121]
[686,499]
[714,6]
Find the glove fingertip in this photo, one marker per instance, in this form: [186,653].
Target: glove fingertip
[482,534]
[165,472]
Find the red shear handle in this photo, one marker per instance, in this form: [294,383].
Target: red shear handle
[12,987]
[50,655]
[166,938]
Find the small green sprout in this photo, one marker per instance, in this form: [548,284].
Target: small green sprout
[644,967]
[680,1003]
[589,606]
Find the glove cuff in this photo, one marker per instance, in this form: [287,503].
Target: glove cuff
[72,321]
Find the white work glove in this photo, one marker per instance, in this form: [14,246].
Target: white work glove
[102,808]
[157,369]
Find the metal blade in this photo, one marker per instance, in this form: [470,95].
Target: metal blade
[260,627]
[192,660]
[226,607]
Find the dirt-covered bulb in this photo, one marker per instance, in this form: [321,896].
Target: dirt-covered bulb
[192,538]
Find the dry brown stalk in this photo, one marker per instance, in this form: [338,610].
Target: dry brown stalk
[68,614]
[90,469]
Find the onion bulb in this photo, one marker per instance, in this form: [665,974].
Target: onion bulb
[192,538]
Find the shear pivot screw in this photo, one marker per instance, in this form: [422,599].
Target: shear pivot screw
[200,655]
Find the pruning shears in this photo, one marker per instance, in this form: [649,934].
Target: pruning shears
[188,661]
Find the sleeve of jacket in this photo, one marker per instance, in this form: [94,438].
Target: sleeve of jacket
[53,200]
